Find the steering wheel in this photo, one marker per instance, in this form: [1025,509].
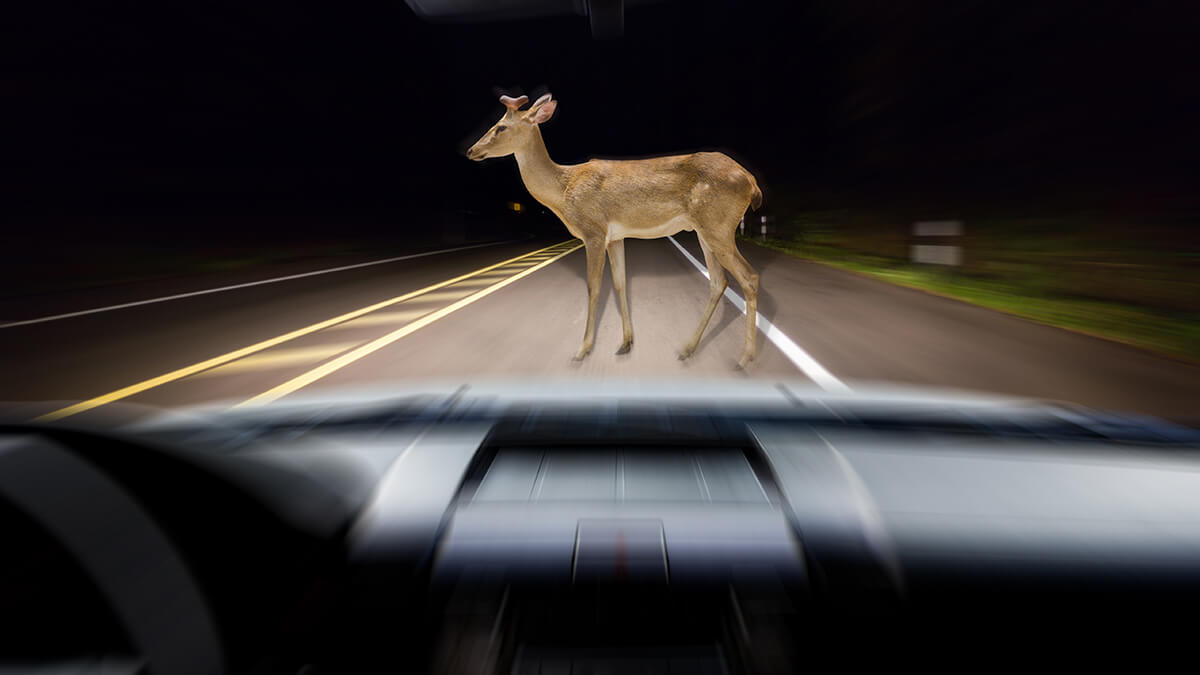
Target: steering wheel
[129,558]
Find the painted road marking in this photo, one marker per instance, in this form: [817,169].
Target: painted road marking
[153,382]
[452,293]
[800,358]
[383,318]
[379,343]
[281,358]
[478,281]
[165,298]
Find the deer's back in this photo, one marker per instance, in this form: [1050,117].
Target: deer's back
[654,190]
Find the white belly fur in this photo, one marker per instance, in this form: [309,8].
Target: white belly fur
[618,231]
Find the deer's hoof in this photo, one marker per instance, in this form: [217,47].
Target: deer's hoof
[625,348]
[686,353]
[582,354]
[745,361]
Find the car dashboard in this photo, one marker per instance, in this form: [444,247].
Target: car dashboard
[744,527]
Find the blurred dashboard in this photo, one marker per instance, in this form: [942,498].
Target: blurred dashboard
[539,527]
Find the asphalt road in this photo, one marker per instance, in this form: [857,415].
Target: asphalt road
[383,323]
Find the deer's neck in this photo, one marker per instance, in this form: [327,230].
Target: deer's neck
[544,179]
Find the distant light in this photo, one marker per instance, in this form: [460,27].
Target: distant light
[516,206]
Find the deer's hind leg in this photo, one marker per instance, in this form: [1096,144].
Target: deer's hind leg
[717,234]
[747,278]
[716,288]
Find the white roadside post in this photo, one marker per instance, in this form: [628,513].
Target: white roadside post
[763,230]
[942,247]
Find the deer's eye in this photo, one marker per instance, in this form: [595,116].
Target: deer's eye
[500,128]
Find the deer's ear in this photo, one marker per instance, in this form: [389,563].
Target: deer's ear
[542,110]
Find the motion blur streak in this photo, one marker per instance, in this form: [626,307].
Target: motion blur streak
[375,345]
[795,353]
[132,389]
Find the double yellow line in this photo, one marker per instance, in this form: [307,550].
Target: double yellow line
[546,256]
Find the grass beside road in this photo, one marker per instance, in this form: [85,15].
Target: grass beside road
[1030,295]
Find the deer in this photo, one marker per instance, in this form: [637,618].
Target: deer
[603,202]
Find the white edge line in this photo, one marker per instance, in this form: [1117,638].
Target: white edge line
[800,358]
[165,298]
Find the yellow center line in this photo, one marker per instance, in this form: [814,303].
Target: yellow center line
[280,358]
[452,293]
[477,281]
[382,318]
[180,373]
[379,343]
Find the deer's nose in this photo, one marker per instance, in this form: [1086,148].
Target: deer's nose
[474,153]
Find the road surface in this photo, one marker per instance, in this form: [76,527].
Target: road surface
[517,309]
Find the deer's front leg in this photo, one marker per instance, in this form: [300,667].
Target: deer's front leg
[595,270]
[616,263]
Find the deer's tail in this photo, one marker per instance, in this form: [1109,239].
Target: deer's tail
[755,194]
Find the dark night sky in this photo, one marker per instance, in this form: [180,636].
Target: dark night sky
[120,105]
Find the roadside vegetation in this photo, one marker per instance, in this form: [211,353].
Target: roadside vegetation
[1138,285]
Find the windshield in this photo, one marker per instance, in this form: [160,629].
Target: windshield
[239,204]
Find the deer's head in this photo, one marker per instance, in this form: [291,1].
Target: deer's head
[515,129]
